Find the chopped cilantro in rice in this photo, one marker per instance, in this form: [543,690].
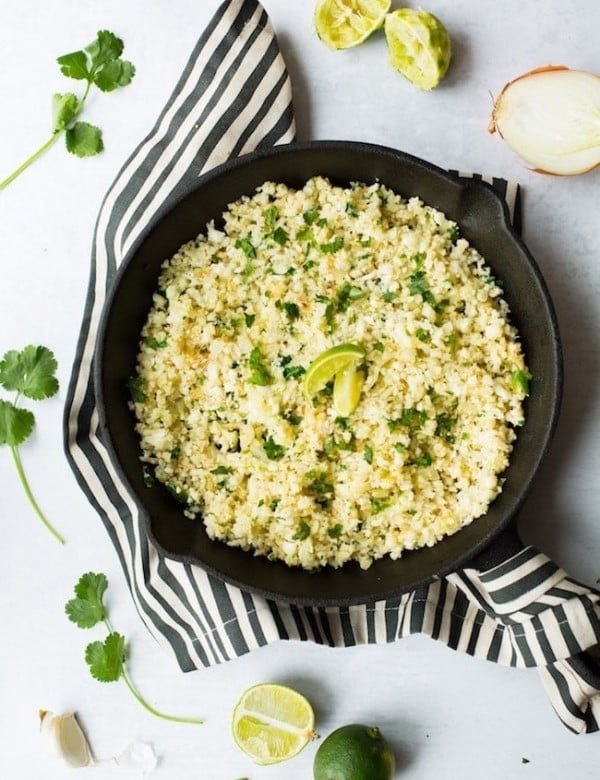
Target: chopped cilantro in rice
[242,312]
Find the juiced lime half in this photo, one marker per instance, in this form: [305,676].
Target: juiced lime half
[344,23]
[419,46]
[329,365]
[272,723]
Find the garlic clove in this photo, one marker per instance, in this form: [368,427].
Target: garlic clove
[65,738]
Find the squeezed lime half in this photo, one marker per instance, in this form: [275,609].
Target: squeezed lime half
[419,46]
[344,23]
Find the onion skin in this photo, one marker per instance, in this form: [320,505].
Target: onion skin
[550,117]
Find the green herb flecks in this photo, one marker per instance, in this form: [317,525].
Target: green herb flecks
[413,419]
[520,381]
[423,459]
[293,372]
[152,343]
[178,494]
[331,247]
[347,294]
[310,217]
[333,444]
[106,660]
[280,236]
[444,427]
[271,215]
[418,285]
[247,247]
[292,310]
[379,502]
[289,416]
[302,533]
[100,65]
[328,312]
[319,487]
[454,233]
[289,371]
[29,373]
[260,374]
[134,385]
[221,470]
[273,451]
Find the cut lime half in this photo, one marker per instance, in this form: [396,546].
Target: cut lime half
[419,46]
[344,23]
[272,723]
[326,365]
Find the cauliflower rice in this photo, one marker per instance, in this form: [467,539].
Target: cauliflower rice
[243,310]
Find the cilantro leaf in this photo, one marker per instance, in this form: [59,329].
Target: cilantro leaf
[84,140]
[273,451]
[30,372]
[302,533]
[113,75]
[16,424]
[105,48]
[105,659]
[74,65]
[87,609]
[64,110]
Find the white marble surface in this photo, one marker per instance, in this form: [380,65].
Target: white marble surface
[448,715]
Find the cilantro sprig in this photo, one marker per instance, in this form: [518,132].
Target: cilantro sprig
[106,660]
[98,65]
[29,373]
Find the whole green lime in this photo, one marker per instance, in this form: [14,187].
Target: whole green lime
[354,752]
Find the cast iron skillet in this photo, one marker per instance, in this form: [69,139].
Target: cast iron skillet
[483,220]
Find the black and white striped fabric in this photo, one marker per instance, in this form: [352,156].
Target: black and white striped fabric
[234,96]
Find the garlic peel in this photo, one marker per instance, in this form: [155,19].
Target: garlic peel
[138,755]
[64,736]
[550,117]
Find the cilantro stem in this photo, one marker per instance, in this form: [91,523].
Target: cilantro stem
[100,65]
[30,496]
[52,140]
[151,709]
[30,160]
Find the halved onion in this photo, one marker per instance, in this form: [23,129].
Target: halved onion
[551,118]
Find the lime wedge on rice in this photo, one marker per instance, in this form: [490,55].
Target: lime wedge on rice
[344,23]
[329,363]
[272,723]
[347,387]
[419,46]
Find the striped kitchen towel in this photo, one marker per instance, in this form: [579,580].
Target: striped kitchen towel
[234,96]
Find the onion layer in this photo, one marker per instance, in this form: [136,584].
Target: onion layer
[551,118]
